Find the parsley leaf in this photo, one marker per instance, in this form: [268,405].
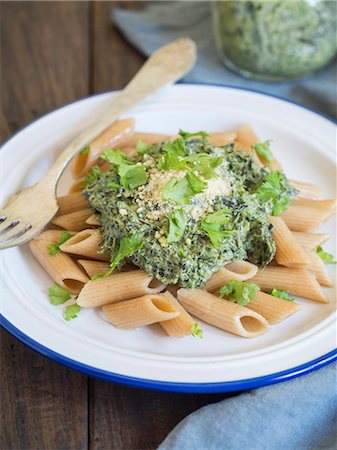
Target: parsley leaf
[186,135]
[196,331]
[213,226]
[92,176]
[203,163]
[171,159]
[176,147]
[58,295]
[273,189]
[127,246]
[195,183]
[326,257]
[182,190]
[240,292]
[55,248]
[178,222]
[131,174]
[263,150]
[85,150]
[281,294]
[112,185]
[71,311]
[143,148]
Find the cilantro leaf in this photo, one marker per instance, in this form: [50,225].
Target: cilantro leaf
[195,183]
[71,311]
[213,226]
[58,295]
[176,147]
[186,135]
[55,248]
[92,176]
[263,150]
[281,294]
[196,331]
[171,159]
[114,157]
[203,163]
[85,150]
[112,185]
[240,292]
[178,222]
[182,190]
[274,189]
[328,258]
[143,148]
[127,246]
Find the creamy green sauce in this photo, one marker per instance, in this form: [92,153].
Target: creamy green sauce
[281,39]
[189,262]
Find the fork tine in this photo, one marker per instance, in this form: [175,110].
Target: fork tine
[7,224]
[11,238]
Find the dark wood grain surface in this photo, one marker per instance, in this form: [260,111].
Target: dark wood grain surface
[53,53]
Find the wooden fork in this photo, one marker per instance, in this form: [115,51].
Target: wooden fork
[30,210]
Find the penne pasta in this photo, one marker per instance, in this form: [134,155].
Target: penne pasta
[141,311]
[288,251]
[93,220]
[115,136]
[77,186]
[318,268]
[298,282]
[272,308]
[248,149]
[237,270]
[118,287]
[222,138]
[307,215]
[71,202]
[73,221]
[86,243]
[93,267]
[310,241]
[147,138]
[222,313]
[181,325]
[307,190]
[60,266]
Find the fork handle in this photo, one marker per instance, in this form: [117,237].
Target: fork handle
[166,65]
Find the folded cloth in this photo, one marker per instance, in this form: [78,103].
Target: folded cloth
[299,414]
[158,24]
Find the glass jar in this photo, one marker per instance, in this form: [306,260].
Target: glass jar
[276,40]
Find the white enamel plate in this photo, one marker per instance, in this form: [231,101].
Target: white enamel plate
[303,141]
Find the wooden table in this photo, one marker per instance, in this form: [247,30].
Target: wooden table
[54,53]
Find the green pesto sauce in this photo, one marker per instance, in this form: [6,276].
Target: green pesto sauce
[276,39]
[193,259]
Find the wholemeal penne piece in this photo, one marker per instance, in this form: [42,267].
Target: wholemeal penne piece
[93,220]
[307,215]
[86,243]
[222,313]
[318,268]
[272,308]
[310,241]
[181,325]
[247,135]
[71,202]
[307,190]
[147,138]
[237,270]
[222,138]
[93,267]
[118,287]
[140,311]
[73,221]
[248,149]
[298,282]
[288,251]
[61,268]
[116,135]
[77,186]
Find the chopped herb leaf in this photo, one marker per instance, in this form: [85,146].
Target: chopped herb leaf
[177,225]
[114,157]
[71,311]
[176,147]
[58,295]
[326,257]
[112,185]
[85,150]
[203,163]
[143,148]
[127,246]
[195,183]
[272,189]
[240,292]
[213,226]
[181,191]
[263,150]
[55,248]
[92,176]
[281,294]
[196,331]
[186,135]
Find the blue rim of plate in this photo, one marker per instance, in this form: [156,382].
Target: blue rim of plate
[192,388]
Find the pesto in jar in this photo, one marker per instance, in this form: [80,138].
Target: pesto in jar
[181,209]
[276,40]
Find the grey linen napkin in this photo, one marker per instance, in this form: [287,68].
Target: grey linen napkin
[159,23]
